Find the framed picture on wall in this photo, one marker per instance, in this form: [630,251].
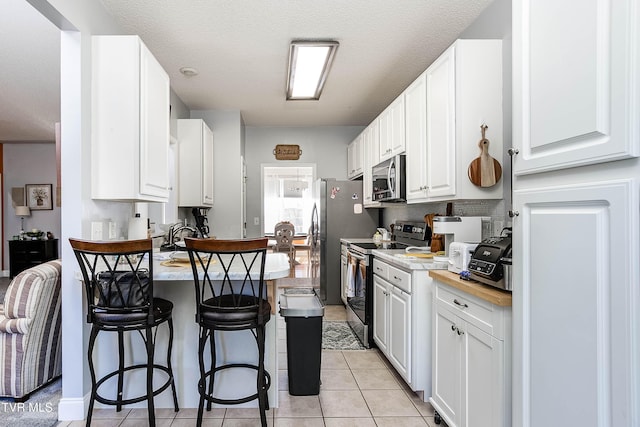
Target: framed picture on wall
[39,196]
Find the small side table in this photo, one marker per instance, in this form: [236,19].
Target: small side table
[25,254]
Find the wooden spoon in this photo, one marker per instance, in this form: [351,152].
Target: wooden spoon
[484,171]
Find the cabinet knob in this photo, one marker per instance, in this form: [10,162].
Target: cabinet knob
[453,328]
[459,331]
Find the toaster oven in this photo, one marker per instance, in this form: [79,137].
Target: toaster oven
[488,261]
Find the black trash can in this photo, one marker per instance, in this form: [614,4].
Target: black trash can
[303,311]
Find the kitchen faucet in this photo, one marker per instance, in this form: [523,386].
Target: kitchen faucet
[176,229]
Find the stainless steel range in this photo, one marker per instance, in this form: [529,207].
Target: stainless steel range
[360,274]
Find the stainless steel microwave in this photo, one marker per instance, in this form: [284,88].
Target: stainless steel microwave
[389,180]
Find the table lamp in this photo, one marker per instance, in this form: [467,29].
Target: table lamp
[22,211]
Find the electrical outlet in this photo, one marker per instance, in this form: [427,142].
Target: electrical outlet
[112,230]
[256,220]
[96,230]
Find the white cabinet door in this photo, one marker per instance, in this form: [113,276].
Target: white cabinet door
[447,375]
[195,172]
[355,158]
[576,82]
[586,372]
[208,165]
[381,313]
[576,304]
[154,126]
[400,332]
[392,138]
[440,128]
[129,122]
[371,147]
[483,373]
[415,99]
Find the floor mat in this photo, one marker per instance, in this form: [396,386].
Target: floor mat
[337,335]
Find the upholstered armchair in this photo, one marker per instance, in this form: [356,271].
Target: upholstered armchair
[30,336]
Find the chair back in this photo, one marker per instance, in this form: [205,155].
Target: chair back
[284,232]
[118,280]
[228,277]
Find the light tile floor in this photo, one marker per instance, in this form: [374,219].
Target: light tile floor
[359,388]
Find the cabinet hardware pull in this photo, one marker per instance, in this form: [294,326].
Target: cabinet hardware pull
[453,327]
[455,301]
[459,331]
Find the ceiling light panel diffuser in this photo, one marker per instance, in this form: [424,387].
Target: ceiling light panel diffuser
[309,64]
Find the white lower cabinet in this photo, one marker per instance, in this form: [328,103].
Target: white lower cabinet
[392,327]
[400,330]
[471,360]
[402,322]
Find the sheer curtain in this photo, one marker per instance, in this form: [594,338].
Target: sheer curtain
[288,196]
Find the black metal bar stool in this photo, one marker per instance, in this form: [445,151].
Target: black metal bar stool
[118,279]
[230,297]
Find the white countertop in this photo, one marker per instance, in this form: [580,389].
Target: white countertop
[276,266]
[408,263]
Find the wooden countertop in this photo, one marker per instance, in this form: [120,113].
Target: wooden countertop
[493,295]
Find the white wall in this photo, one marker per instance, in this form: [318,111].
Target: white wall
[79,20]
[29,163]
[325,146]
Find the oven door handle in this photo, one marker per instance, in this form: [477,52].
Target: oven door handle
[357,256]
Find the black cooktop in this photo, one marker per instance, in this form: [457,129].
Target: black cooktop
[367,246]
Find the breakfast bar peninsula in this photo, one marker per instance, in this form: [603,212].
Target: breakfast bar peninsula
[173,280]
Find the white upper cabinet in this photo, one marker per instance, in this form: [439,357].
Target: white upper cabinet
[355,157]
[391,123]
[464,91]
[371,146]
[578,110]
[415,100]
[129,122]
[195,182]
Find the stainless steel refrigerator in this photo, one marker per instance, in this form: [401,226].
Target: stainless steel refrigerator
[337,213]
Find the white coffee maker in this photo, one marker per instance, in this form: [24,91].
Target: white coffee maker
[466,229]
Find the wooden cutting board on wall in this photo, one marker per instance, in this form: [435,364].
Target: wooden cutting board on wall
[484,171]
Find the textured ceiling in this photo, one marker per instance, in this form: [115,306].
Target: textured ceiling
[240,48]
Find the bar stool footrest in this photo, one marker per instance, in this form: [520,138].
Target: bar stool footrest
[202,391]
[132,400]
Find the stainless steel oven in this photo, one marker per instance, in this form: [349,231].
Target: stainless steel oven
[359,288]
[359,282]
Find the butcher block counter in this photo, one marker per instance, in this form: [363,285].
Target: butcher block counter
[488,293]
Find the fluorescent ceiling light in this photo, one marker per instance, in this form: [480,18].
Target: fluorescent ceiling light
[309,64]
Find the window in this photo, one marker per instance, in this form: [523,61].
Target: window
[287,196]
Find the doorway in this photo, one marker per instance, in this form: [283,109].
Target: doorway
[287,195]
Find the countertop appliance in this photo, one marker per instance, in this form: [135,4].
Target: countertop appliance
[460,255]
[337,212]
[360,274]
[389,180]
[487,264]
[459,229]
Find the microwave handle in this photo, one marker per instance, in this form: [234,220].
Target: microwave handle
[392,165]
